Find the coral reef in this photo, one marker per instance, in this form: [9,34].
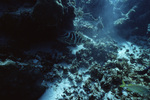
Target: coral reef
[126,16]
[95,72]
[35,66]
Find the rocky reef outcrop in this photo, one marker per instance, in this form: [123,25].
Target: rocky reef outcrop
[37,21]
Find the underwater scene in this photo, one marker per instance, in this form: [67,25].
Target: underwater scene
[74,49]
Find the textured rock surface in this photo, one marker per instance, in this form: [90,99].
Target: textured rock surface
[93,72]
[41,21]
[19,81]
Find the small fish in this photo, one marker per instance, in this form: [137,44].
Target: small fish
[72,38]
[136,88]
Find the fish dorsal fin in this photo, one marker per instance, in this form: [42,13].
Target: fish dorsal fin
[123,84]
[131,84]
[128,89]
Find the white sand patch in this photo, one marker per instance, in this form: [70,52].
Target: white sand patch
[128,48]
[54,92]
[76,49]
[109,96]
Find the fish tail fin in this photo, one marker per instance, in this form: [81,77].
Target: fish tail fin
[123,84]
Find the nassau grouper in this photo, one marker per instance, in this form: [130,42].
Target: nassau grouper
[73,38]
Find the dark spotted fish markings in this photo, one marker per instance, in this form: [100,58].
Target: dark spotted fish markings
[72,38]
